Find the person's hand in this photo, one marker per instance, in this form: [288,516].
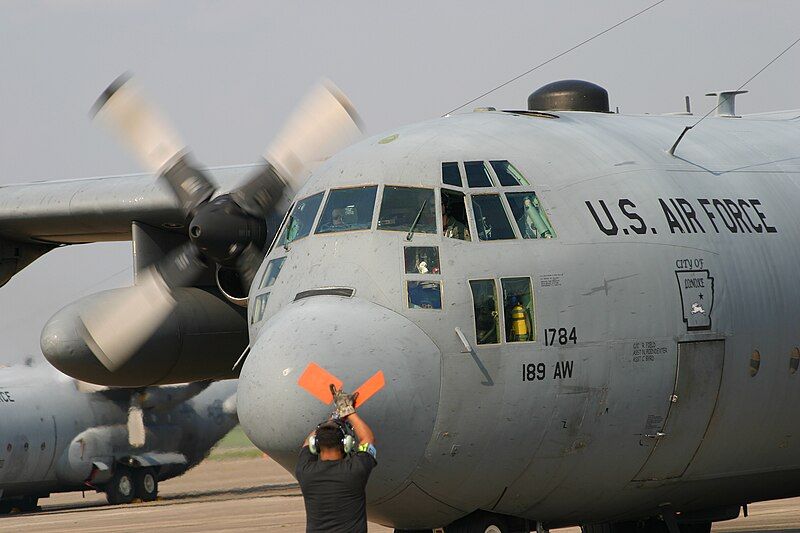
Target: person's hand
[343,402]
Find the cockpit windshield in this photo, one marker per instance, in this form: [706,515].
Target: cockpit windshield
[348,209]
[301,219]
[404,207]
[490,218]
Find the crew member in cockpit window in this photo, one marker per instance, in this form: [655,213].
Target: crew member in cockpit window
[337,217]
[533,224]
[451,226]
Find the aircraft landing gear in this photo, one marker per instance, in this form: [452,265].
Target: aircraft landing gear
[28,504]
[120,489]
[25,504]
[485,522]
[145,482]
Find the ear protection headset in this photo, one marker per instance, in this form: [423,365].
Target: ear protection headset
[347,440]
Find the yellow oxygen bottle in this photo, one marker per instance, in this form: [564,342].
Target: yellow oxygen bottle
[519,323]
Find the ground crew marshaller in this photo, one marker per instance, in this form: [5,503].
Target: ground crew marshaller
[333,470]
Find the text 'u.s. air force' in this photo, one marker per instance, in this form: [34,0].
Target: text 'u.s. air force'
[701,215]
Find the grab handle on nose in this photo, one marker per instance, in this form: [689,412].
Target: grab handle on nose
[467,346]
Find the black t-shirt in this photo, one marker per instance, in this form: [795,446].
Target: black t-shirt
[333,491]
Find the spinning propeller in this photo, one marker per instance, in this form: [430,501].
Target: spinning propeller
[227,230]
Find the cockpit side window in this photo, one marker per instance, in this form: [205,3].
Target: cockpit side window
[454,216]
[424,294]
[406,208]
[271,272]
[490,218]
[422,260]
[530,216]
[348,209]
[259,305]
[507,174]
[518,306]
[302,218]
[484,300]
[477,174]
[451,175]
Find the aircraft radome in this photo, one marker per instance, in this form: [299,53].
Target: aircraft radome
[558,320]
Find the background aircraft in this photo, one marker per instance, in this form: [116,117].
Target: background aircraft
[61,435]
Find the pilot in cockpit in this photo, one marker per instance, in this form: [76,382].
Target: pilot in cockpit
[336,221]
[451,226]
[337,217]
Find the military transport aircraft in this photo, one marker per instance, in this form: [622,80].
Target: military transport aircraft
[61,435]
[554,318]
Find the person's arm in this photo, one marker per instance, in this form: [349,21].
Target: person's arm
[363,431]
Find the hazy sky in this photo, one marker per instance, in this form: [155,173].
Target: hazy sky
[228,72]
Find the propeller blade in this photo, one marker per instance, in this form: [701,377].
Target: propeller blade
[118,329]
[136,431]
[323,123]
[165,397]
[123,107]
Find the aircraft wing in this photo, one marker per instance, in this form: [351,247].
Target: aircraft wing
[37,217]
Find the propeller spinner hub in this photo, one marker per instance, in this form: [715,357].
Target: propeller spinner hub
[221,230]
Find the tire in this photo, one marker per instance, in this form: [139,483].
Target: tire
[121,488]
[597,528]
[480,522]
[28,504]
[145,482]
[695,528]
[5,507]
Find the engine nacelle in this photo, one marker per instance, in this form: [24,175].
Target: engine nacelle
[200,340]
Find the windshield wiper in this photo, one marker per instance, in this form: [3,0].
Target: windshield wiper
[416,220]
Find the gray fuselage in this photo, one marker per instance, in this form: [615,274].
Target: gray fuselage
[655,259]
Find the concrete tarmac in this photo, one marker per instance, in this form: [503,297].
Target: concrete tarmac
[258,495]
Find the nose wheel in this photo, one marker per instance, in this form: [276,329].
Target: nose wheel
[481,522]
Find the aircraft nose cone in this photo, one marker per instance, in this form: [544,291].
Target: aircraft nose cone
[352,339]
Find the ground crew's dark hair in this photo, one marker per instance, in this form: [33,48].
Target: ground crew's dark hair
[329,436]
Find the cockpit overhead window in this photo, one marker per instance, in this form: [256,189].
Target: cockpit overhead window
[530,216]
[302,218]
[507,174]
[407,209]
[348,209]
[477,174]
[454,215]
[490,218]
[450,174]
[271,272]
